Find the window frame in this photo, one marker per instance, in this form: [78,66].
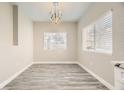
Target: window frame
[45,47]
[96,50]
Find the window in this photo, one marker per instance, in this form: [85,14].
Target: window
[88,37]
[98,36]
[55,40]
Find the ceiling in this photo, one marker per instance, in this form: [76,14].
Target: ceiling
[39,11]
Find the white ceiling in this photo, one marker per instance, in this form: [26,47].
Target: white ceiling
[39,11]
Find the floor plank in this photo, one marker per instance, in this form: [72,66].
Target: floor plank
[55,77]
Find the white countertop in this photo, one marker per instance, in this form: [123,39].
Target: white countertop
[115,62]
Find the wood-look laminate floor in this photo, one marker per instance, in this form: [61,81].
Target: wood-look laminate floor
[55,77]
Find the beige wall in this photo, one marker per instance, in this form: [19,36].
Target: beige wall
[100,63]
[14,58]
[70,54]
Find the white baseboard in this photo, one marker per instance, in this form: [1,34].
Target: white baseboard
[108,85]
[13,77]
[55,62]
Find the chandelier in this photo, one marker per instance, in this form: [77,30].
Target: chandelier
[55,13]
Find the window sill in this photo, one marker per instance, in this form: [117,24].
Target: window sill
[55,48]
[98,51]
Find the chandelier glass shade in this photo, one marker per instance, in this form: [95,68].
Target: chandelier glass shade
[55,13]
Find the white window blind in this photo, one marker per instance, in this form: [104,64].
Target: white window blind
[54,40]
[101,34]
[88,37]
